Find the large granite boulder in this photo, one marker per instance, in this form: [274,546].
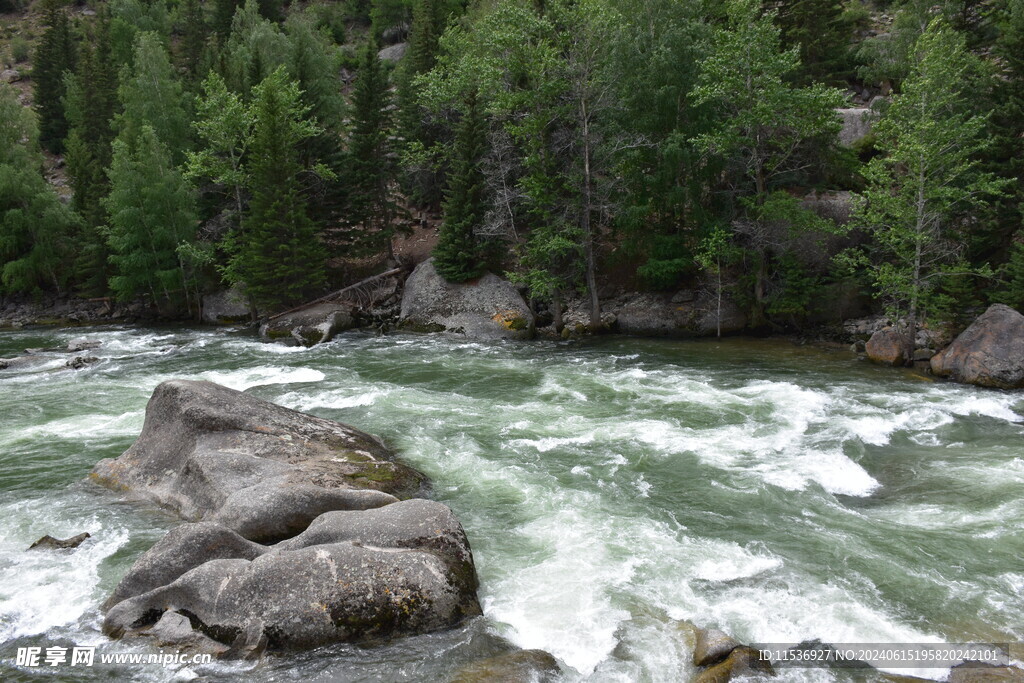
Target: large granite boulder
[206,449]
[485,308]
[310,326]
[296,540]
[686,314]
[989,353]
[351,576]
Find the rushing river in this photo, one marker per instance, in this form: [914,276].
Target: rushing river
[610,488]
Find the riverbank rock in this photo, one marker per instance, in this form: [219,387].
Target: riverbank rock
[989,353]
[521,666]
[310,326]
[352,576]
[58,543]
[228,307]
[885,347]
[206,449]
[485,308]
[657,315]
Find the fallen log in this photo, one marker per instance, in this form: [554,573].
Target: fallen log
[340,292]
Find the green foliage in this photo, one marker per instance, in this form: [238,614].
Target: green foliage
[195,31]
[820,29]
[276,254]
[458,254]
[766,133]
[1011,275]
[55,55]
[34,223]
[128,19]
[371,168]
[928,181]
[91,103]
[152,96]
[255,48]
[152,212]
[20,49]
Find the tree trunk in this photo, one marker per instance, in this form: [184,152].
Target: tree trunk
[588,238]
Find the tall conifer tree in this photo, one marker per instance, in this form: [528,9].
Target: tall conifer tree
[54,56]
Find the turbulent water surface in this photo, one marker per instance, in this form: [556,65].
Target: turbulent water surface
[611,489]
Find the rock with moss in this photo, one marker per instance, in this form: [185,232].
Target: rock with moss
[485,308]
[351,576]
[204,446]
[310,326]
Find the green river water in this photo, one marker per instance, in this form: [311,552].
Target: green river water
[610,488]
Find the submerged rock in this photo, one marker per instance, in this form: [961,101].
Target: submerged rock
[521,666]
[205,447]
[351,576]
[989,353]
[485,308]
[310,326]
[79,362]
[51,542]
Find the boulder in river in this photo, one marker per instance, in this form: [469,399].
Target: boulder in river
[302,542]
[51,542]
[989,353]
[352,576]
[310,326]
[741,661]
[712,645]
[205,447]
[485,308]
[886,347]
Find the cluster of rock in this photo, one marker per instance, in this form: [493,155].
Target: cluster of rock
[989,353]
[300,531]
[34,357]
[55,310]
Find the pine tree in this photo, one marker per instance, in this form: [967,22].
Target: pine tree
[195,31]
[927,178]
[54,56]
[277,256]
[34,224]
[818,29]
[152,216]
[457,255]
[91,104]
[370,167]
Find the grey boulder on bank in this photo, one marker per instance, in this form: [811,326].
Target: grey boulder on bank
[298,536]
[989,353]
[485,308]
